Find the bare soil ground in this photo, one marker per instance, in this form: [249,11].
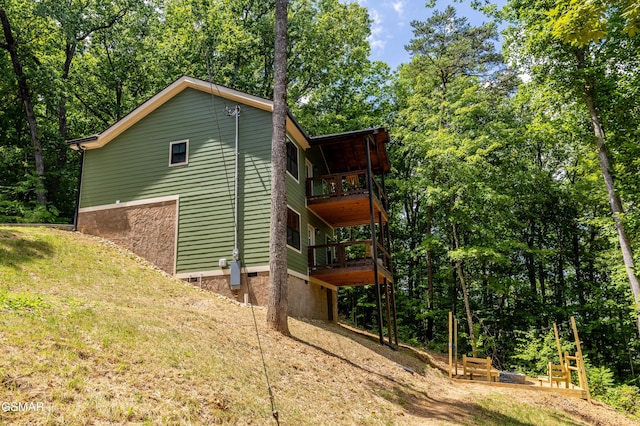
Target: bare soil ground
[444,401]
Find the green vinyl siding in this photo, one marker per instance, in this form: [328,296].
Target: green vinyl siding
[297,200]
[135,166]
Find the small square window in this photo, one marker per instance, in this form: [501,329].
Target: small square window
[292,159]
[178,153]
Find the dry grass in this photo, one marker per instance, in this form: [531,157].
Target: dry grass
[100,337]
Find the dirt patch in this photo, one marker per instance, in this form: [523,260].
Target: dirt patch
[453,402]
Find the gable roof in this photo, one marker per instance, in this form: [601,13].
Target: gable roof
[101,139]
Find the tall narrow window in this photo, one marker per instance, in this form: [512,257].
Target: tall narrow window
[178,153]
[293,229]
[292,159]
[309,168]
[311,232]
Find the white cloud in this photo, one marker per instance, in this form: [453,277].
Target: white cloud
[376,39]
[398,6]
[376,26]
[377,45]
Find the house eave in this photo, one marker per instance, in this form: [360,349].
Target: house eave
[98,141]
[81,143]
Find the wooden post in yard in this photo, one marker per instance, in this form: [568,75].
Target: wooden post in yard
[555,330]
[582,374]
[455,344]
[450,344]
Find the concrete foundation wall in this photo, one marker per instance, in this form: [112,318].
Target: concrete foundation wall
[309,300]
[257,287]
[306,300]
[148,230]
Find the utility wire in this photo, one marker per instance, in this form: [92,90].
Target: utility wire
[274,410]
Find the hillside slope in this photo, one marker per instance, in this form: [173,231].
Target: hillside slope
[90,334]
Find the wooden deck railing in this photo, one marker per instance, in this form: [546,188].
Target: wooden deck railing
[343,184]
[347,254]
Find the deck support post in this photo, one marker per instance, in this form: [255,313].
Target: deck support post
[386,235]
[374,245]
[387,305]
[395,315]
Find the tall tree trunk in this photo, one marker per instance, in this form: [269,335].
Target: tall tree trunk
[69,51]
[614,198]
[429,233]
[486,292]
[530,259]
[277,318]
[429,274]
[25,95]
[591,268]
[54,184]
[541,263]
[558,291]
[465,293]
[453,290]
[410,209]
[575,240]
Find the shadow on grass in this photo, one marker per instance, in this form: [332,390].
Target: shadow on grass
[372,342]
[347,361]
[455,411]
[419,403]
[404,356]
[16,249]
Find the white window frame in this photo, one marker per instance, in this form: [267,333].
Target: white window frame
[297,160]
[311,239]
[299,230]
[186,156]
[308,168]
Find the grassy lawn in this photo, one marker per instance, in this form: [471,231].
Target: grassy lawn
[90,334]
[95,334]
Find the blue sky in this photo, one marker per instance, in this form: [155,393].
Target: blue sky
[391,29]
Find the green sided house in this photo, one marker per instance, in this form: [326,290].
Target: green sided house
[184,181]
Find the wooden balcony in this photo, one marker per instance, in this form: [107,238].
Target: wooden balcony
[349,263]
[342,199]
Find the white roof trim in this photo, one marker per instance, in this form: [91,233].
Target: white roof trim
[172,90]
[119,204]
